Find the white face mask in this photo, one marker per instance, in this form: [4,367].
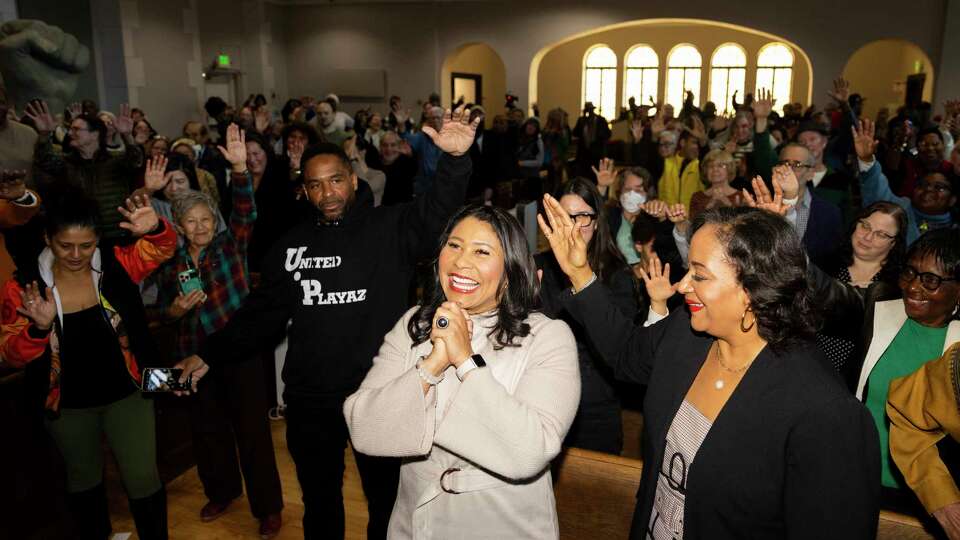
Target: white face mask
[630,201]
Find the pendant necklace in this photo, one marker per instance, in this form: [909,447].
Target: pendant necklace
[719,384]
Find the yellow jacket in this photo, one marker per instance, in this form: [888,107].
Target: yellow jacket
[923,409]
[676,188]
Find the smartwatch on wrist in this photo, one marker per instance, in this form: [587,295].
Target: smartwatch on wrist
[472,363]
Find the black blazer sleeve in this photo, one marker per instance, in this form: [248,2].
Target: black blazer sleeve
[629,349]
[832,484]
[422,220]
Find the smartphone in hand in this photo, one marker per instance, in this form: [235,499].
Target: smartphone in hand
[163,380]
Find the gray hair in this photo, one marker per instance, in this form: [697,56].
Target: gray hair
[810,161]
[671,135]
[184,201]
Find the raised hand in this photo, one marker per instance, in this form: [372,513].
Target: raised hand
[75,110]
[655,208]
[39,113]
[124,122]
[676,213]
[764,200]
[656,278]
[784,177]
[841,90]
[261,120]
[154,177]
[41,311]
[566,242]
[295,150]
[763,104]
[658,125]
[12,185]
[636,129]
[236,149]
[698,129]
[457,133]
[605,174]
[863,140]
[140,216]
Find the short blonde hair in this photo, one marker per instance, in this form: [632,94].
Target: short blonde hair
[718,156]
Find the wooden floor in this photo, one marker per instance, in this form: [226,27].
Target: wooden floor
[185,498]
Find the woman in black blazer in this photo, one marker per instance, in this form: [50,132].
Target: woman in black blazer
[765,441]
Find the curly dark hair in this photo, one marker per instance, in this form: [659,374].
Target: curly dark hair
[771,265]
[943,245]
[519,291]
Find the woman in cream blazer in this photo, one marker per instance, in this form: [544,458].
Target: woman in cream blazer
[474,390]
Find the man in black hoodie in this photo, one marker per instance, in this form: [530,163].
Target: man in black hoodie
[343,282]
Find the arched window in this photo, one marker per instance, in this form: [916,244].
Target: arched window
[683,74]
[600,80]
[642,68]
[728,75]
[775,71]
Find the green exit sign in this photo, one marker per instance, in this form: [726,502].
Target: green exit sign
[223,60]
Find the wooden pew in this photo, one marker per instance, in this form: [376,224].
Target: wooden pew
[596,494]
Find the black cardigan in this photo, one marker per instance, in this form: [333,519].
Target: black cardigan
[791,455]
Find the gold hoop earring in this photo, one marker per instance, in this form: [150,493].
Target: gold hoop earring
[744,318]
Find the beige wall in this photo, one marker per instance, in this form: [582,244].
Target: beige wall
[477,59]
[879,69]
[560,72]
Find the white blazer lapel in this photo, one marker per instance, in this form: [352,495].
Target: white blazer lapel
[888,318]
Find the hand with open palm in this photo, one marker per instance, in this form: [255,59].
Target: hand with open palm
[457,133]
[566,242]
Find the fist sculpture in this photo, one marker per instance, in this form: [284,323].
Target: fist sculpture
[40,61]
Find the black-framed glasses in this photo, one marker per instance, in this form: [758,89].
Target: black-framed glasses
[793,164]
[583,219]
[929,280]
[869,231]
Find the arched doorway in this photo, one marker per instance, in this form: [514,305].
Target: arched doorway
[475,72]
[879,72]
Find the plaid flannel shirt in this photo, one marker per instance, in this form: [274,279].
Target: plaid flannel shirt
[222,268]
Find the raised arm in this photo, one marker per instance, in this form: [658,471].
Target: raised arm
[874,185]
[156,241]
[26,319]
[627,348]
[244,213]
[423,219]
[47,157]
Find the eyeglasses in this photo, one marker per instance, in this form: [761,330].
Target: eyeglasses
[869,231]
[793,164]
[583,219]
[929,280]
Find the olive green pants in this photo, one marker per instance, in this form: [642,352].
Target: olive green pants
[129,427]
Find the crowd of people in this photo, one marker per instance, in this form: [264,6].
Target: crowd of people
[781,284]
